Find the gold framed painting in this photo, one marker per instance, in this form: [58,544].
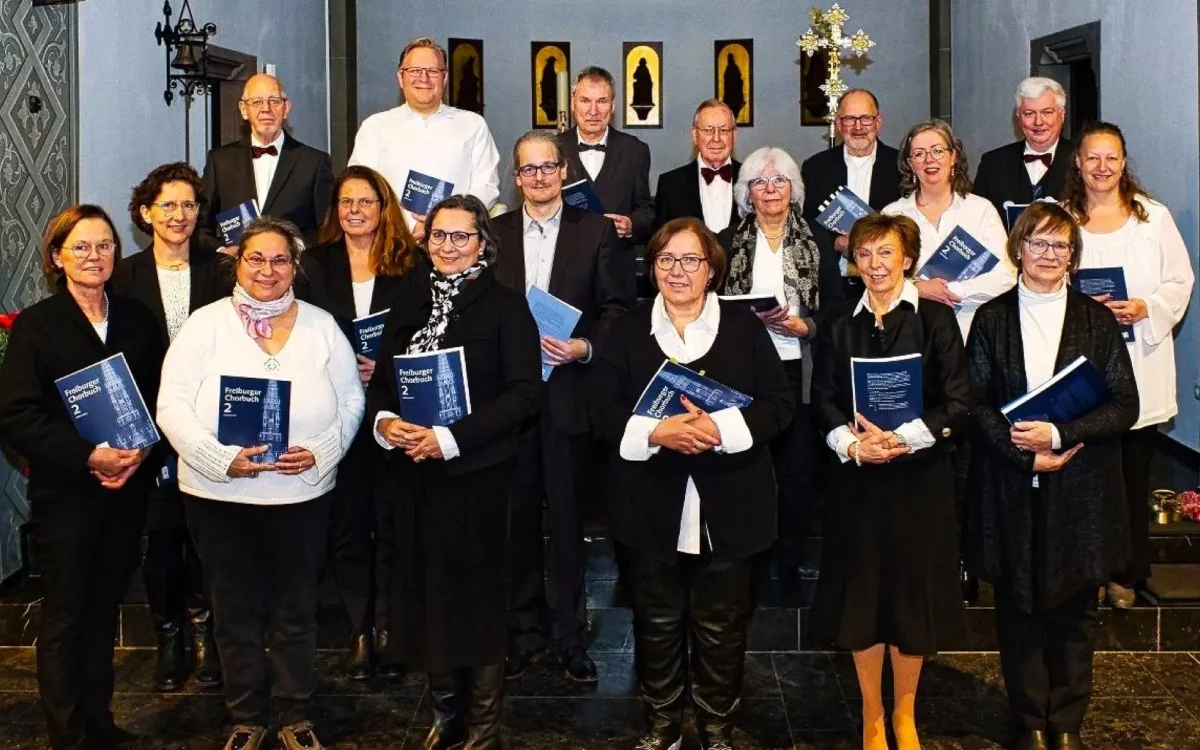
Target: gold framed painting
[546,61]
[466,74]
[814,105]
[733,77]
[642,76]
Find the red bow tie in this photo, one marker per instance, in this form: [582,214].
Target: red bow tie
[1043,158]
[725,173]
[256,151]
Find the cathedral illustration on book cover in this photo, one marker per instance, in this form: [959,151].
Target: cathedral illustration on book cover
[449,407]
[271,433]
[132,425]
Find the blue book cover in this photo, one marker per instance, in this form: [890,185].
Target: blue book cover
[672,380]
[106,406]
[1073,392]
[554,318]
[422,192]
[1012,212]
[1111,281]
[582,194]
[255,411]
[960,257]
[843,208]
[367,333]
[432,387]
[888,391]
[758,303]
[232,222]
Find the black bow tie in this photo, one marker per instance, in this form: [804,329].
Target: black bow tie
[1043,158]
[593,147]
[256,151]
[725,173]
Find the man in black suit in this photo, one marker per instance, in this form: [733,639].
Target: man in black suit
[617,164]
[573,255]
[703,188]
[1034,167]
[288,179]
[867,167]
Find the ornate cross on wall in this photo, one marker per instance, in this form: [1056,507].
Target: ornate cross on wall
[826,34]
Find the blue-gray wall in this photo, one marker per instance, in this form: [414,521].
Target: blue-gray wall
[125,128]
[899,72]
[1148,81]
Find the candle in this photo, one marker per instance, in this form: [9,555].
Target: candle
[562,91]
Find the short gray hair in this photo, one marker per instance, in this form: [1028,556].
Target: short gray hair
[708,104]
[594,73]
[1035,86]
[546,137]
[423,42]
[755,165]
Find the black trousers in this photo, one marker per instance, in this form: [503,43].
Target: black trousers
[1046,658]
[1137,452]
[696,601]
[171,568]
[87,548]
[263,563]
[546,582]
[361,541]
[795,458]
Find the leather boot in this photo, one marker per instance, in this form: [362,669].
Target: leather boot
[387,667]
[485,703]
[162,575]
[204,648]
[170,673]
[360,662]
[716,732]
[449,726]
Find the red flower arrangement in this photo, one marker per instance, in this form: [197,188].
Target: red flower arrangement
[1189,504]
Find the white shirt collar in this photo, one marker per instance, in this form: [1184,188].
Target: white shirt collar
[704,165]
[860,160]
[710,316]
[553,221]
[603,139]
[908,293]
[442,111]
[1031,150]
[277,143]
[909,202]
[1026,293]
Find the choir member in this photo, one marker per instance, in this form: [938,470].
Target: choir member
[703,188]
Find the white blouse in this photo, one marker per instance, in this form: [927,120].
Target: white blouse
[176,290]
[1042,316]
[363,291]
[1158,271]
[767,278]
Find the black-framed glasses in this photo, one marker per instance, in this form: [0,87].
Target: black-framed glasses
[779,182]
[690,263]
[937,152]
[713,131]
[422,72]
[458,239]
[1040,247]
[169,207]
[546,168]
[258,262]
[259,102]
[81,250]
[848,121]
[362,204]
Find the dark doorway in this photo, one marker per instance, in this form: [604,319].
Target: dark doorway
[228,69]
[1072,57]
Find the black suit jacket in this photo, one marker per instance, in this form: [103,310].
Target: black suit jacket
[1002,175]
[49,340]
[503,359]
[585,274]
[300,191]
[324,280]
[823,173]
[678,194]
[136,276]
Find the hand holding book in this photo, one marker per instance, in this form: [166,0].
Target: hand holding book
[243,465]
[690,433]
[875,445]
[417,442]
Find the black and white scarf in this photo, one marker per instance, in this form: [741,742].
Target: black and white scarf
[801,260]
[444,289]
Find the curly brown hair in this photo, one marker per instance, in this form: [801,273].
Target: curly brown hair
[147,190]
[1074,196]
[394,251]
[960,181]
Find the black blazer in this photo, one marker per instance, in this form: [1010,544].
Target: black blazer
[136,276]
[324,280]
[1081,523]
[678,194]
[585,274]
[300,191]
[737,490]
[1002,175]
[503,359]
[823,173]
[49,340]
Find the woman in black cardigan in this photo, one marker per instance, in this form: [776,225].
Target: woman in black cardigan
[449,484]
[364,249]
[1048,518]
[88,502]
[690,558]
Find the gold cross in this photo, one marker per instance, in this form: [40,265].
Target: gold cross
[826,34]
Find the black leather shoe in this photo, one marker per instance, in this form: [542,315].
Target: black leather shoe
[170,672]
[385,667]
[204,649]
[1034,739]
[360,663]
[654,741]
[577,664]
[518,660]
[1068,741]
[716,733]
[448,730]
[485,703]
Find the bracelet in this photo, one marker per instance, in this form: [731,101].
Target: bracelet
[857,453]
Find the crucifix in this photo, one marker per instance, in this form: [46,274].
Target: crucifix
[826,34]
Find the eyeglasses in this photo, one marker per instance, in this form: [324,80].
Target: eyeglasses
[169,207]
[848,121]
[779,182]
[547,168]
[937,152]
[81,250]
[422,72]
[1039,247]
[1029,114]
[714,132]
[362,204]
[690,263]
[274,102]
[257,262]
[458,239]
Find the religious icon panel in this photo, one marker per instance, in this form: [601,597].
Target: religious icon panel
[814,105]
[642,76]
[546,61]
[466,74]
[733,81]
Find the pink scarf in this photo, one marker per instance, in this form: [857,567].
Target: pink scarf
[256,315]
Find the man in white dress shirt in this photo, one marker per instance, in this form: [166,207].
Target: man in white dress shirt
[703,188]
[427,136]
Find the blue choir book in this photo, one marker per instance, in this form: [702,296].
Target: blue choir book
[843,208]
[432,387]
[1111,281]
[888,391]
[1012,212]
[960,257]
[232,222]
[1073,392]
[758,303]
[660,399]
[367,333]
[581,194]
[253,412]
[554,318]
[422,192]
[106,406]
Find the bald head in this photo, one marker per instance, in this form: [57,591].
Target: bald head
[265,106]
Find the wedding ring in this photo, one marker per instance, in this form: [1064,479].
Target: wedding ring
[697,444]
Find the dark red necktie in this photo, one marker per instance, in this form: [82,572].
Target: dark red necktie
[1043,158]
[256,152]
[725,173]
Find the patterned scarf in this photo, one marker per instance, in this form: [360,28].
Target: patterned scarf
[801,260]
[444,289]
[256,315]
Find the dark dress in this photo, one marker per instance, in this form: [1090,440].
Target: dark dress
[451,517]
[890,558]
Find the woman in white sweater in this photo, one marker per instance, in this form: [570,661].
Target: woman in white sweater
[259,513]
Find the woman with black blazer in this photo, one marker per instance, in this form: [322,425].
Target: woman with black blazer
[364,249]
[690,559]
[88,502]
[450,484]
[173,279]
[1048,518]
